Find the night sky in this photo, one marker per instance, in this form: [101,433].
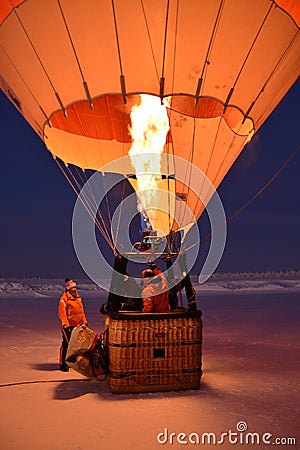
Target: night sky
[37,201]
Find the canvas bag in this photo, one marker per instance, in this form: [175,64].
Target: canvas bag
[82,342]
[82,365]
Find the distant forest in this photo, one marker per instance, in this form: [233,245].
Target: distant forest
[267,274]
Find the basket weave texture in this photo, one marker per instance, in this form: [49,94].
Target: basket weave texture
[154,352]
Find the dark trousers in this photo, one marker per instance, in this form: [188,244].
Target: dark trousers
[66,334]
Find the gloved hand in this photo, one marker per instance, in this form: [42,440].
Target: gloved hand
[152,265]
[105,308]
[68,330]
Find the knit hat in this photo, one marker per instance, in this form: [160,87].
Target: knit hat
[70,284]
[147,273]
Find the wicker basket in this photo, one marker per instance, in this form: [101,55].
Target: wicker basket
[154,352]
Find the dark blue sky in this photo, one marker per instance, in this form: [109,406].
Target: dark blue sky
[37,202]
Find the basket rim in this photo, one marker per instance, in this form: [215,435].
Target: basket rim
[137,315]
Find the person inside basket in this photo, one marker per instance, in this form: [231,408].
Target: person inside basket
[71,314]
[155,291]
[132,295]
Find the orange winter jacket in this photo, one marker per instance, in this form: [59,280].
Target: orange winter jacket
[153,299]
[70,310]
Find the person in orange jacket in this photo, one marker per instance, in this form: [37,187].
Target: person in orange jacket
[71,314]
[155,291]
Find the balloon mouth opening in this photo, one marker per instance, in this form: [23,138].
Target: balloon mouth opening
[109,118]
[106,125]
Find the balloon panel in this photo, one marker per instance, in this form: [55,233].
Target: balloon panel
[225,70]
[6,7]
[292,7]
[240,56]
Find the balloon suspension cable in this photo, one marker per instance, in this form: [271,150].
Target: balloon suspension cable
[123,190]
[233,216]
[93,201]
[164,50]
[262,90]
[221,165]
[209,48]
[119,218]
[150,41]
[209,162]
[101,227]
[113,245]
[31,43]
[187,177]
[85,204]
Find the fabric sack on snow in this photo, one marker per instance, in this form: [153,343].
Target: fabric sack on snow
[82,342]
[82,364]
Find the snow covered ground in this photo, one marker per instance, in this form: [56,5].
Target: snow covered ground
[251,376]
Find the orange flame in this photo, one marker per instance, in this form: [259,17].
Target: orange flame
[149,128]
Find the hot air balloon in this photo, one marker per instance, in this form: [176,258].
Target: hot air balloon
[77,69]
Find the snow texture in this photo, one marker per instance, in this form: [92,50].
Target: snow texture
[250,374]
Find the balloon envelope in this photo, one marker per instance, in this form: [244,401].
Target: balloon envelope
[74,69]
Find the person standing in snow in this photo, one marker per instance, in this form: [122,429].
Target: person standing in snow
[71,314]
[155,292]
